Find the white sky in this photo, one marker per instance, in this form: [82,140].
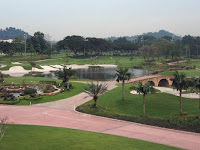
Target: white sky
[101,18]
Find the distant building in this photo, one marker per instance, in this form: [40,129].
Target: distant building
[9,41]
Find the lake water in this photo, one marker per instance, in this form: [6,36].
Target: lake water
[103,74]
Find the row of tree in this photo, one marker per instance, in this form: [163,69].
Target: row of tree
[34,44]
[148,46]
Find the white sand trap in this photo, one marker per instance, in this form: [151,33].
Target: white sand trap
[2,66]
[45,69]
[74,66]
[134,92]
[16,71]
[16,63]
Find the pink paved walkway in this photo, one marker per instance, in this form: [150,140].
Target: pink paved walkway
[32,115]
[59,116]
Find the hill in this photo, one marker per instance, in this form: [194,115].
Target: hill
[158,34]
[12,33]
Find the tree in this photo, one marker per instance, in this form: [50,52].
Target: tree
[66,74]
[75,43]
[31,49]
[180,83]
[94,90]
[145,52]
[122,75]
[196,88]
[144,89]
[3,127]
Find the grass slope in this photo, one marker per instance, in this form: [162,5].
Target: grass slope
[23,137]
[161,109]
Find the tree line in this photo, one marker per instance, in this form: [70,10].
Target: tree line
[147,46]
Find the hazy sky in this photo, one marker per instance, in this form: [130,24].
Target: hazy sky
[101,18]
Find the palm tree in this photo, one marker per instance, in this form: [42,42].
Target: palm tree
[180,83]
[144,89]
[66,74]
[196,88]
[94,90]
[122,75]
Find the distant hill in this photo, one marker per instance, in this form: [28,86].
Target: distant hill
[12,33]
[158,34]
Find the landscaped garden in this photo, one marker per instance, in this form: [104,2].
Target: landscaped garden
[33,90]
[24,137]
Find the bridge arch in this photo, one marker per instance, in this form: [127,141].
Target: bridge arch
[151,83]
[163,82]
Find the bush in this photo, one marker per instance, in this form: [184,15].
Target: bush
[48,88]
[29,91]
[67,86]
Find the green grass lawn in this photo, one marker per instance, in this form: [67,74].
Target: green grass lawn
[160,107]
[24,137]
[190,73]
[123,61]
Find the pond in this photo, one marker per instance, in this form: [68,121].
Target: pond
[102,74]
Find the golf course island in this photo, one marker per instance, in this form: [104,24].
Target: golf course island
[91,93]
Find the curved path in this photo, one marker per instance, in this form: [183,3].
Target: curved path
[62,114]
[176,93]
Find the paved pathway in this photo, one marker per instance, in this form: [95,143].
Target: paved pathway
[176,93]
[61,114]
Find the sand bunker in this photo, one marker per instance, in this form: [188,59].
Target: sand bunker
[16,71]
[16,63]
[2,66]
[134,92]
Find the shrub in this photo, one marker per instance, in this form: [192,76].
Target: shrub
[29,91]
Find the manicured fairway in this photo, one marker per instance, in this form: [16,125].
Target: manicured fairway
[23,137]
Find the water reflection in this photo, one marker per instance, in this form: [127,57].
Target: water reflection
[104,74]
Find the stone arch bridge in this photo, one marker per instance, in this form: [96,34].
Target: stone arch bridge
[154,80]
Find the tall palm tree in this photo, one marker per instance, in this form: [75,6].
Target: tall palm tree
[144,89]
[196,88]
[94,90]
[122,75]
[180,83]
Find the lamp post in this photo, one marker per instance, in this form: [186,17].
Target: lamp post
[25,37]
